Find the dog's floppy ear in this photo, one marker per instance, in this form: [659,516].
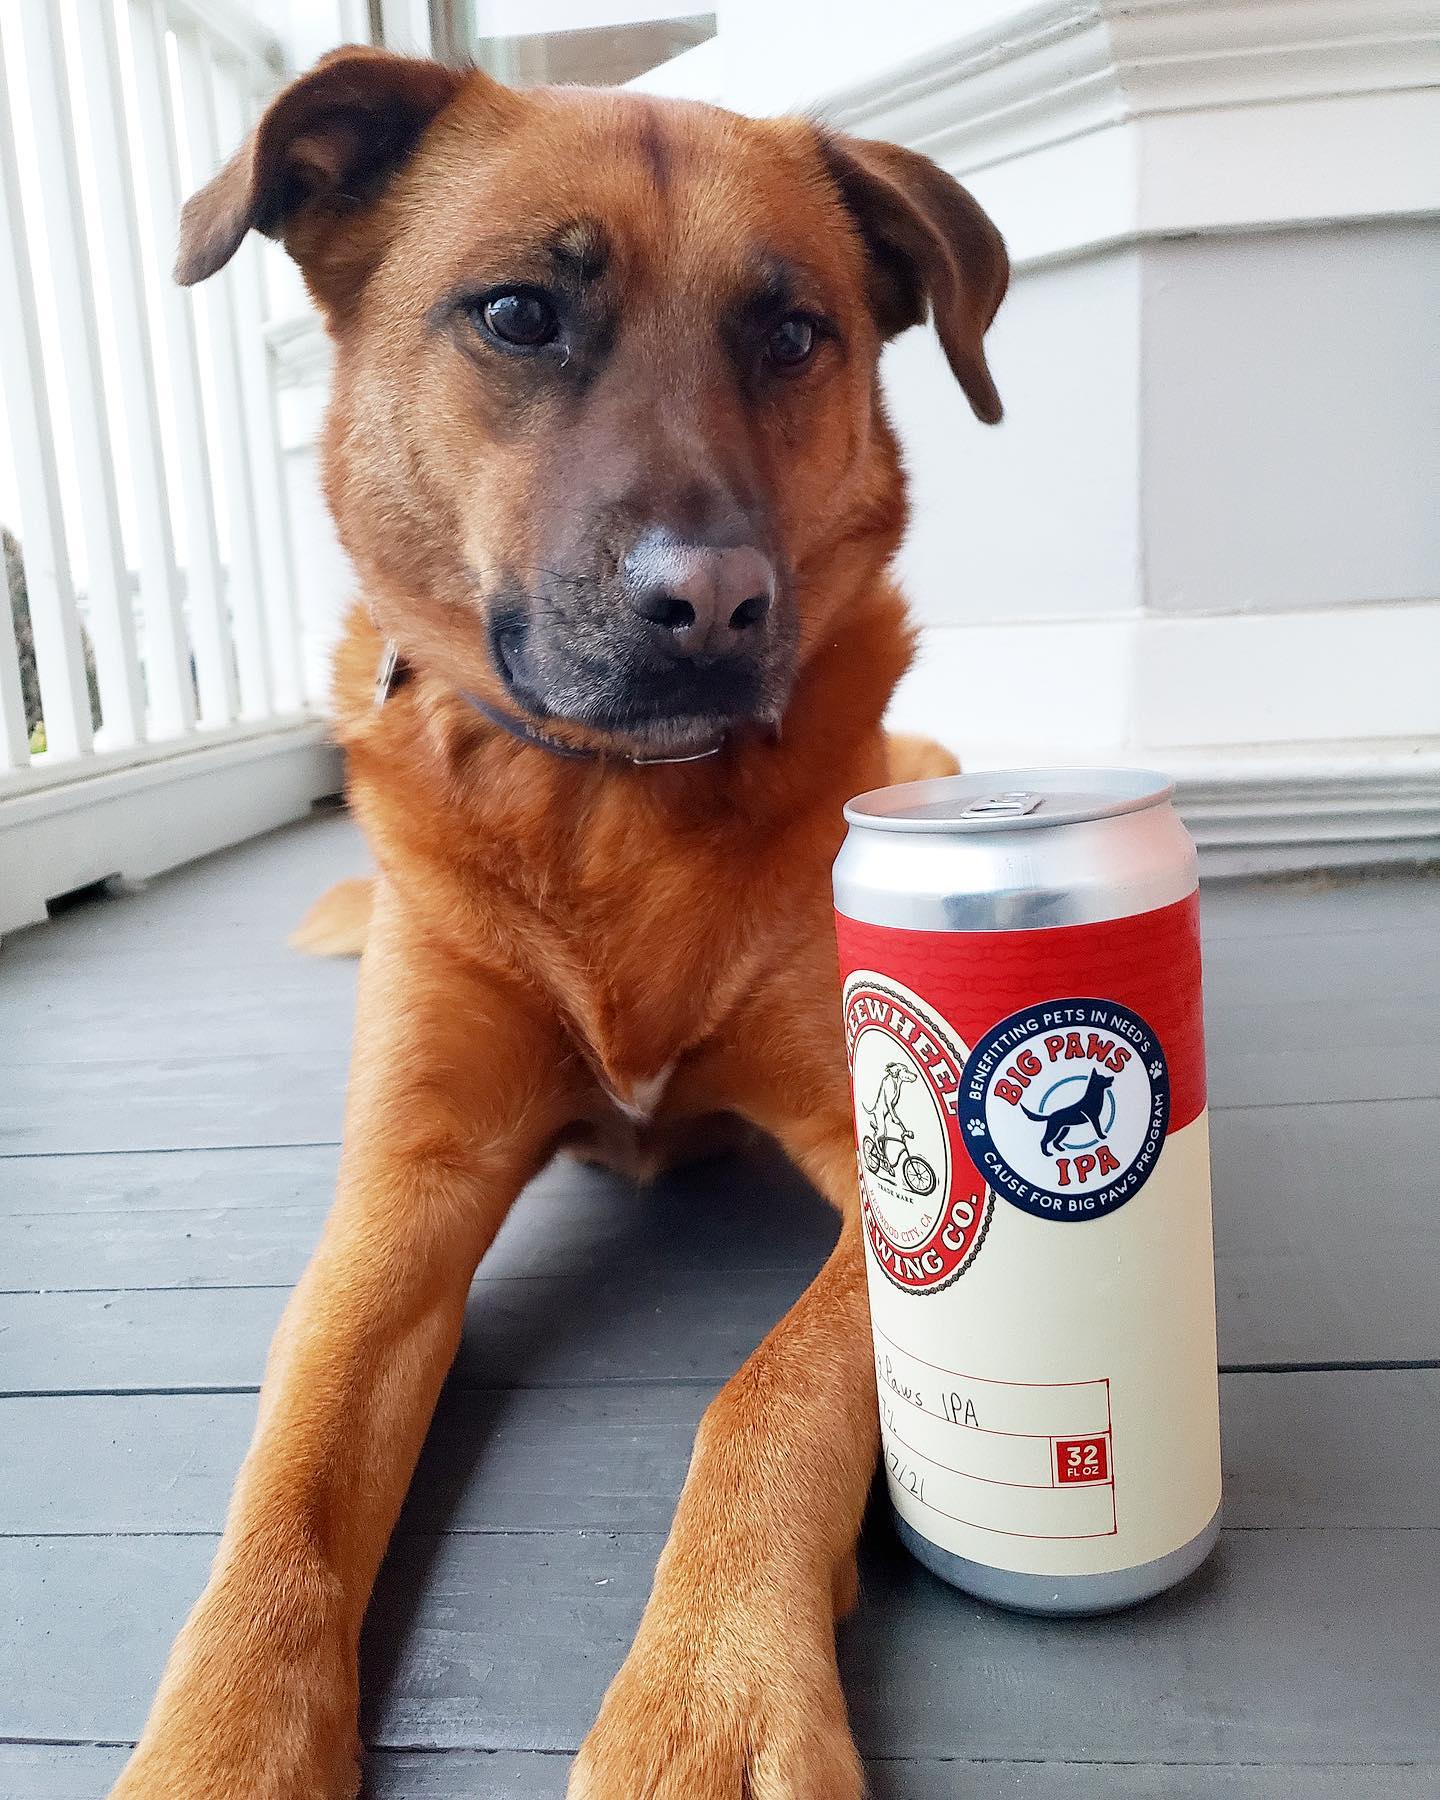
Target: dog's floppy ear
[931,248]
[320,155]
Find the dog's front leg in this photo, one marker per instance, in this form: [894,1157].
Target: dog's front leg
[731,1689]
[452,1104]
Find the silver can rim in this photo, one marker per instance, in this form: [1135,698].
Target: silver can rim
[1116,791]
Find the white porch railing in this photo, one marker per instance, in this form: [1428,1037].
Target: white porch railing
[146,499]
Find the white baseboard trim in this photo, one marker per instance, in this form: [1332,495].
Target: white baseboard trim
[134,820]
[1262,824]
[1264,810]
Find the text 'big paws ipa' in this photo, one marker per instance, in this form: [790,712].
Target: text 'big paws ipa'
[1021,965]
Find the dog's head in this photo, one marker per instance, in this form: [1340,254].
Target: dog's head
[606,442]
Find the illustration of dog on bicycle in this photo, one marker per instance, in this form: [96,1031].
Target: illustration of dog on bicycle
[888,1129]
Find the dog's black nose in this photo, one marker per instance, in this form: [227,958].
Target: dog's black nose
[700,599]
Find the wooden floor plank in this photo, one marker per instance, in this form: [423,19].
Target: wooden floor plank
[480,1775]
[55,1772]
[58,1771]
[173,1102]
[1363,1294]
[740,1213]
[124,1190]
[562,1459]
[218,1218]
[1142,1781]
[930,1674]
[163,1340]
[1327,903]
[200,1247]
[1292,1646]
[1342,1449]
[1325,1233]
[135,1019]
[249,893]
[1335,969]
[1358,1450]
[690,1325]
[1309,1053]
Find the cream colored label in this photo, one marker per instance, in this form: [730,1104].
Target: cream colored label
[1054,1409]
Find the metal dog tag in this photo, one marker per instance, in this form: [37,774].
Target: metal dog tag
[385,672]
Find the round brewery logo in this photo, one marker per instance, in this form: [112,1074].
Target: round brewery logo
[1065,1106]
[925,1211]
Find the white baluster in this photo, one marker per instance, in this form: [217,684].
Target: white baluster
[272,521]
[247,613]
[204,576]
[14,735]
[111,610]
[169,693]
[54,618]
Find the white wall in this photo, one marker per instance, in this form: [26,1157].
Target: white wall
[1035,518]
[1292,419]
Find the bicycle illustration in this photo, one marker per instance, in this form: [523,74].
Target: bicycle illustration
[888,1129]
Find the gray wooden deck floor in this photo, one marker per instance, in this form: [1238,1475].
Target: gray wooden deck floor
[170,1090]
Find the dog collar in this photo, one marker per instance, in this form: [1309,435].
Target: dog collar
[393,672]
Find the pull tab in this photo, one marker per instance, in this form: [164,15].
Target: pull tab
[1013,804]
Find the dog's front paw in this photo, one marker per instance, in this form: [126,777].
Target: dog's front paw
[744,1720]
[242,1715]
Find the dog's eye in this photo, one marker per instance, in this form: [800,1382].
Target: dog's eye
[792,342]
[518,316]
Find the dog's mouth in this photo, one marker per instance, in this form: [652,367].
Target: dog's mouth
[556,672]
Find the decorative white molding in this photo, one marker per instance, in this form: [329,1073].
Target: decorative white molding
[133,817]
[1066,67]
[1162,117]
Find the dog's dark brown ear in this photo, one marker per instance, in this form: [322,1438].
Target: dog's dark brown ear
[321,153]
[932,249]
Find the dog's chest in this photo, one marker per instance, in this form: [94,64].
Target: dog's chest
[638,1099]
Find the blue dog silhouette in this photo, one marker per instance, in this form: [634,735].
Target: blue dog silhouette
[1085,1111]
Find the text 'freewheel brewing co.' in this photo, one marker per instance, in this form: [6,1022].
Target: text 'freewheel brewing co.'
[1021,964]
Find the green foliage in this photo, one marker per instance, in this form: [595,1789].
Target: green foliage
[25,645]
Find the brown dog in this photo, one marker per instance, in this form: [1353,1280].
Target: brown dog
[608,451]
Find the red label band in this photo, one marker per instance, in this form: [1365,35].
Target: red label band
[1045,1068]
[1149,964]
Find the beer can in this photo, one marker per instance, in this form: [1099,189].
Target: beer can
[1020,956]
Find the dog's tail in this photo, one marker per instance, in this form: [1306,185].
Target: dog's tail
[339,921]
[1039,1118]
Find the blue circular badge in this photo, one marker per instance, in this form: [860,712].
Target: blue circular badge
[1064,1107]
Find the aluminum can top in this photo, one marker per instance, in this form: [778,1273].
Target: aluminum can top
[1014,850]
[1009,800]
